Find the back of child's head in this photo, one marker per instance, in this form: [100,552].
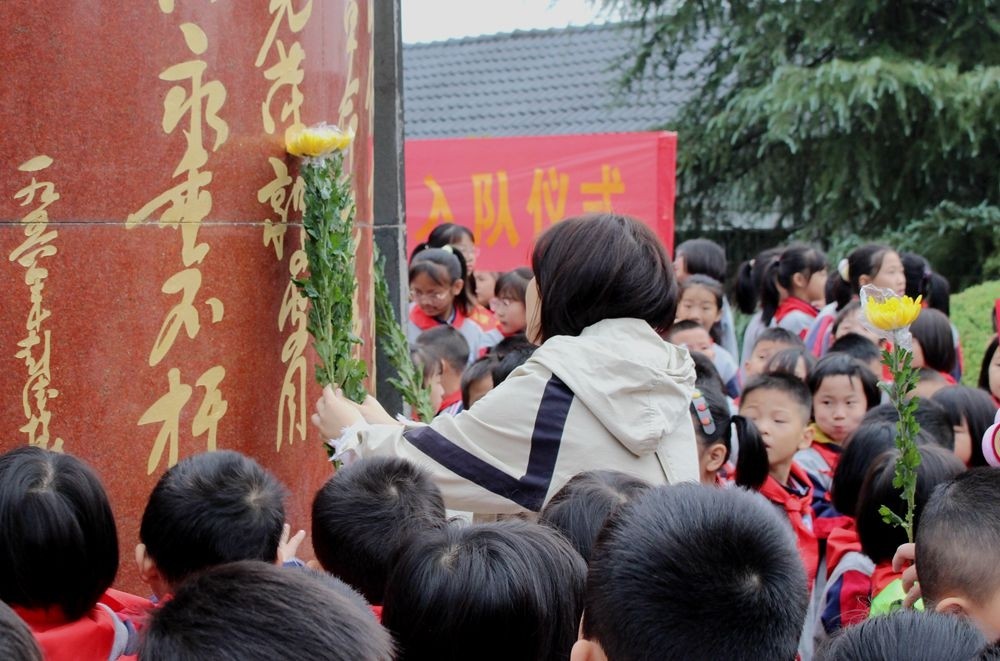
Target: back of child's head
[858,347]
[939,296]
[16,641]
[836,364]
[796,361]
[906,635]
[918,274]
[879,540]
[58,541]
[864,260]
[930,416]
[514,284]
[706,371]
[446,343]
[868,442]
[750,278]
[689,572]
[506,590]
[958,539]
[932,331]
[972,411]
[510,362]
[211,509]
[768,343]
[680,326]
[581,508]
[476,376]
[251,610]
[795,259]
[363,512]
[702,257]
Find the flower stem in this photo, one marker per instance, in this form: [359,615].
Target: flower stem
[900,363]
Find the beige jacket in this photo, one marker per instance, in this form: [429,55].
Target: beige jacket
[616,397]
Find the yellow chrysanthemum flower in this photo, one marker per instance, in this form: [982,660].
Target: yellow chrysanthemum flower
[319,140]
[893,313]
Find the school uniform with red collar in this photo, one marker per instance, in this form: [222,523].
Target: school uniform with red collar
[847,595]
[475,334]
[795,315]
[820,459]
[795,500]
[451,404]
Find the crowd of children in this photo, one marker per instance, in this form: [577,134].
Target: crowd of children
[578,403]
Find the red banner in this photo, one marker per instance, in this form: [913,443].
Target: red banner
[508,190]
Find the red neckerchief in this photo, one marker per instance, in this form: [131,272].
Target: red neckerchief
[90,637]
[484,318]
[377,612]
[798,508]
[450,399]
[791,304]
[423,321]
[883,576]
[842,540]
[829,450]
[949,378]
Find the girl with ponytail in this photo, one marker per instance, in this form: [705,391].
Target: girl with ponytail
[790,285]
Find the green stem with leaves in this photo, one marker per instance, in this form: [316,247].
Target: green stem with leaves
[328,221]
[905,376]
[392,339]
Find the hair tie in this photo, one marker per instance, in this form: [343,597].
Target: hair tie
[752,262]
[704,416]
[447,248]
[844,269]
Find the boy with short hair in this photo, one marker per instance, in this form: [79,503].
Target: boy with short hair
[362,515]
[770,342]
[728,584]
[957,543]
[447,346]
[694,337]
[208,510]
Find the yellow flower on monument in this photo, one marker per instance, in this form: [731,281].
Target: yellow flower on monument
[317,140]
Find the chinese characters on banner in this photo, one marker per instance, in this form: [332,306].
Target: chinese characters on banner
[285,75]
[36,347]
[509,190]
[195,104]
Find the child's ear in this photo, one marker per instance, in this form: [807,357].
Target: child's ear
[807,436]
[457,286]
[799,280]
[716,457]
[954,606]
[148,571]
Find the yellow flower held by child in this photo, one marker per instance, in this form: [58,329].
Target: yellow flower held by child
[893,312]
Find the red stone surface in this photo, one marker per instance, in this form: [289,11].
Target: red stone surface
[82,86]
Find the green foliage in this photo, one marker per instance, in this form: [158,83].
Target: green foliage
[328,221]
[972,312]
[410,382]
[905,377]
[855,116]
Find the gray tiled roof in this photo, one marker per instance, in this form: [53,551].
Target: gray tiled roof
[538,82]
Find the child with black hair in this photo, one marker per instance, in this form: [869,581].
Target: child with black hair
[509,362]
[796,361]
[956,548]
[207,510]
[477,380]
[843,390]
[907,636]
[430,367]
[692,336]
[364,512]
[508,304]
[879,540]
[930,416]
[872,263]
[16,641]
[989,371]
[448,347]
[459,239]
[970,412]
[439,295]
[746,293]
[791,284]
[769,342]
[59,556]
[779,406]
[442,601]
[247,611]
[581,508]
[934,344]
[687,572]
[860,348]
[706,257]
